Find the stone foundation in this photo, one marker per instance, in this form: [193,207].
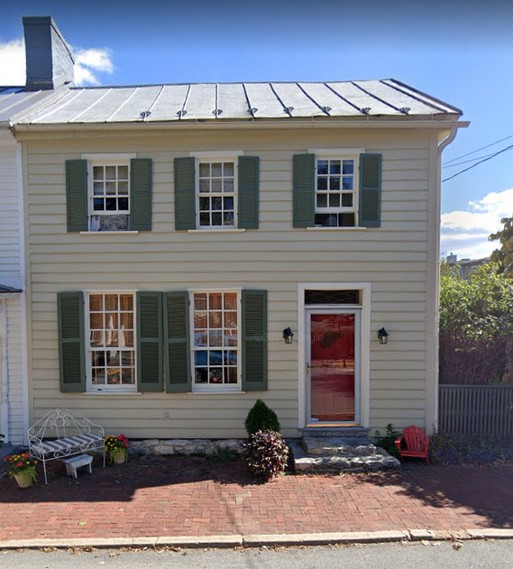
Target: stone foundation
[184,446]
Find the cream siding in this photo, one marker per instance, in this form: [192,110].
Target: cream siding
[13,422]
[392,258]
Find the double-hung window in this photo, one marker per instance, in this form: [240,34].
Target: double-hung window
[336,191]
[110,359]
[216,339]
[109,195]
[109,192]
[336,188]
[216,191]
[216,194]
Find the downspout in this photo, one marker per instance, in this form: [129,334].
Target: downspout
[4,386]
[433,425]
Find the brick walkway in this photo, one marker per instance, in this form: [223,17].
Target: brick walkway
[172,496]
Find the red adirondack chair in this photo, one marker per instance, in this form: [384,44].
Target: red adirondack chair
[413,442]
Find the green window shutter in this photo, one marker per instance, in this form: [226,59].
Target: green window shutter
[254,340]
[303,190]
[76,195]
[140,194]
[149,341]
[177,347]
[370,190]
[185,194]
[70,309]
[249,174]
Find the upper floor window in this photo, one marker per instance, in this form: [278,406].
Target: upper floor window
[109,196]
[109,192]
[336,192]
[216,194]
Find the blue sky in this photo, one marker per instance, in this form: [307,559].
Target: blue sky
[460,52]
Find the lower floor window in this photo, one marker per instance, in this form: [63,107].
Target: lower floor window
[111,349]
[216,338]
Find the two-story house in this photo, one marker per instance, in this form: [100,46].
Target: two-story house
[177,235]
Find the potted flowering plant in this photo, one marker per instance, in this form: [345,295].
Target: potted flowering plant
[117,448]
[22,468]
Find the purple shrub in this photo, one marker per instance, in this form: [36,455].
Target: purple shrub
[265,454]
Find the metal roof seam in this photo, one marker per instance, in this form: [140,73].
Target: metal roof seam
[322,109]
[344,99]
[369,94]
[286,109]
[183,111]
[75,118]
[108,119]
[428,99]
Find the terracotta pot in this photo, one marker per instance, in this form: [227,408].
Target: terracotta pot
[23,479]
[118,458]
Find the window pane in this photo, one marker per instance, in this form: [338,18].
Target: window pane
[96,302]
[216,375]
[214,320]
[217,204]
[110,204]
[96,321]
[110,172]
[200,320]
[215,357]
[216,301]
[98,204]
[346,219]
[334,183]
[230,338]
[200,358]
[230,301]
[228,219]
[204,204]
[98,172]
[122,172]
[216,338]
[217,186]
[204,218]
[127,338]
[201,375]
[113,376]
[335,167]
[228,186]
[200,339]
[98,359]
[348,167]
[127,359]
[334,200]
[322,166]
[98,188]
[204,169]
[347,200]
[111,302]
[322,183]
[228,204]
[204,186]
[127,376]
[110,188]
[322,200]
[217,169]
[230,319]
[347,183]
[228,168]
[231,375]
[123,188]
[217,219]
[98,376]
[126,302]
[200,301]
[123,204]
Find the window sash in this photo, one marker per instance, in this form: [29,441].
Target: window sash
[116,348]
[216,193]
[208,332]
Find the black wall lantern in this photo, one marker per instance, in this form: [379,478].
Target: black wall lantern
[382,336]
[288,335]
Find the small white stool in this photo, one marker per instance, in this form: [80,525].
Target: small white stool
[75,462]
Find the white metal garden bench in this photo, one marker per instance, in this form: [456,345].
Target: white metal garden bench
[59,434]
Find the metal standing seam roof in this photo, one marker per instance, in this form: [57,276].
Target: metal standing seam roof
[239,101]
[17,101]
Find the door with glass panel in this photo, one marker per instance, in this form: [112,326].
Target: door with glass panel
[333,341]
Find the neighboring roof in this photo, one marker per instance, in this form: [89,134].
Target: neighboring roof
[16,100]
[238,101]
[8,289]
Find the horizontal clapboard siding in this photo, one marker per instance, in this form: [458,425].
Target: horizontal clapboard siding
[275,258]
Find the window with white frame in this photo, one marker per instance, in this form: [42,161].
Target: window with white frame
[336,196]
[109,195]
[111,341]
[216,193]
[216,339]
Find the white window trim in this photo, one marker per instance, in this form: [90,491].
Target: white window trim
[98,159]
[222,156]
[107,389]
[340,154]
[213,388]
[365,345]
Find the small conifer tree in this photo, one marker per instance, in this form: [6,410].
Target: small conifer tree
[261,418]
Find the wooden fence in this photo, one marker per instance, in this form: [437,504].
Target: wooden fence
[480,409]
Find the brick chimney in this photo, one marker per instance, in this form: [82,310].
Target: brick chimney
[49,58]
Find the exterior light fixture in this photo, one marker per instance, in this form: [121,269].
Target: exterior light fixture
[288,335]
[382,336]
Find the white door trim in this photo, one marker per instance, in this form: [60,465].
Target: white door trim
[365,343]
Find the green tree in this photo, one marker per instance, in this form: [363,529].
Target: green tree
[504,256]
[476,326]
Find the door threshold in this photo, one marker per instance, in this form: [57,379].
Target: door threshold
[332,425]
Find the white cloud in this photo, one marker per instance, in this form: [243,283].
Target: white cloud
[89,64]
[12,63]
[466,233]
